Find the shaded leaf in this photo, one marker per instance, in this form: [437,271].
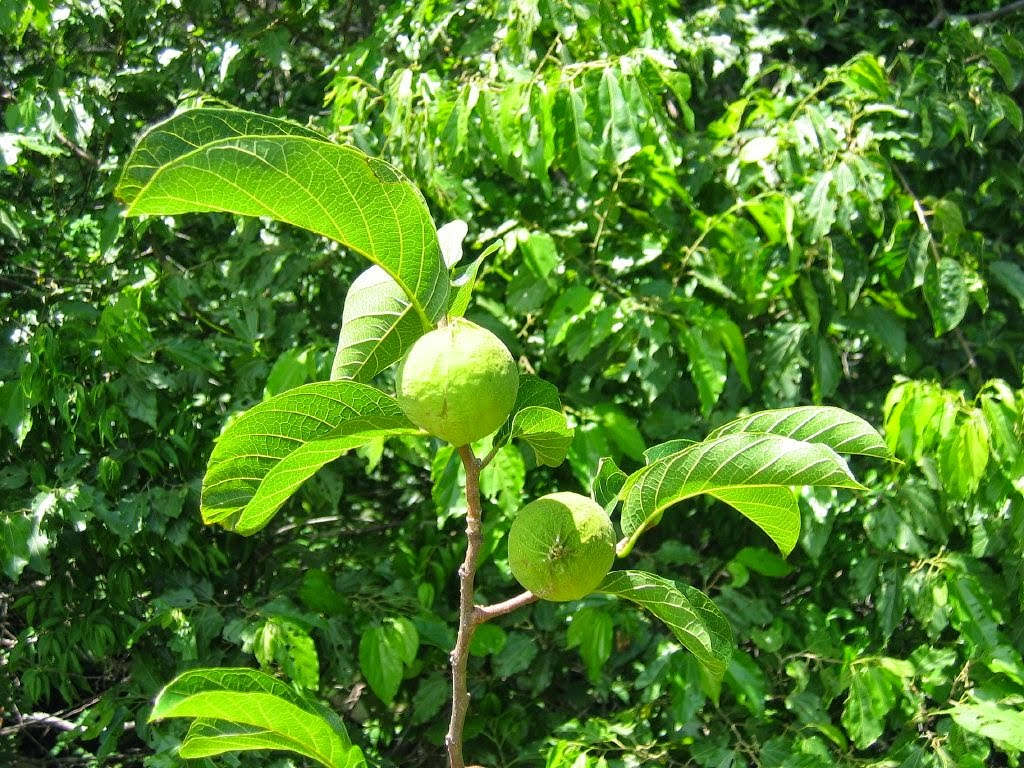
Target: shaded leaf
[691,615]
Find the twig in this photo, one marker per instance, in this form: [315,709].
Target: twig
[490,455]
[976,18]
[484,613]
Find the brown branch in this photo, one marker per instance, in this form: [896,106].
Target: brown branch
[44,720]
[484,613]
[977,18]
[467,625]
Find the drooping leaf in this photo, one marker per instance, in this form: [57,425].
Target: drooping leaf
[870,699]
[838,429]
[591,631]
[378,325]
[545,431]
[269,451]
[691,615]
[216,159]
[257,712]
[607,482]
[533,390]
[749,471]
[380,659]
[464,282]
[945,290]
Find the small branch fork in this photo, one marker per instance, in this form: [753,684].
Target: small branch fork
[470,615]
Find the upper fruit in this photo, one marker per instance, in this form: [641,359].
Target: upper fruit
[561,546]
[458,382]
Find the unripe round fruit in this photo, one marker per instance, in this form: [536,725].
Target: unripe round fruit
[561,546]
[458,382]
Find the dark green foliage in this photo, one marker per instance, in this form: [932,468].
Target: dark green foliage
[703,213]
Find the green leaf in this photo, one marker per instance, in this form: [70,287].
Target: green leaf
[270,450]
[621,429]
[378,325]
[215,159]
[620,135]
[290,645]
[465,282]
[591,631]
[838,429]
[750,471]
[245,709]
[691,615]
[870,699]
[545,431]
[758,149]
[533,390]
[945,291]
[607,482]
[1011,277]
[488,639]
[15,534]
[660,450]
[763,561]
[1002,724]
[380,660]
[408,639]
[207,738]
[746,680]
[821,208]
[706,362]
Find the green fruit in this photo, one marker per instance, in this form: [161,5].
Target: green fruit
[458,382]
[561,546]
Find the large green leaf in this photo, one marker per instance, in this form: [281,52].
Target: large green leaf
[216,159]
[838,429]
[691,615]
[750,471]
[378,325]
[269,451]
[244,709]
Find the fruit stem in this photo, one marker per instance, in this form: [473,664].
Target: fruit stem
[467,617]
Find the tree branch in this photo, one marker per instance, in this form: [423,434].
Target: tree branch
[484,613]
[977,18]
[467,624]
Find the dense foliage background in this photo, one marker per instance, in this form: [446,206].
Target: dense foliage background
[703,210]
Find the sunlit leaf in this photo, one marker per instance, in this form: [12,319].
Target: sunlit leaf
[750,471]
[243,709]
[840,430]
[215,159]
[269,451]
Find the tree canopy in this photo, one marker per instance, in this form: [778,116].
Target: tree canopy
[697,212]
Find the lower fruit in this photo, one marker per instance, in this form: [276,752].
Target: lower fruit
[561,546]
